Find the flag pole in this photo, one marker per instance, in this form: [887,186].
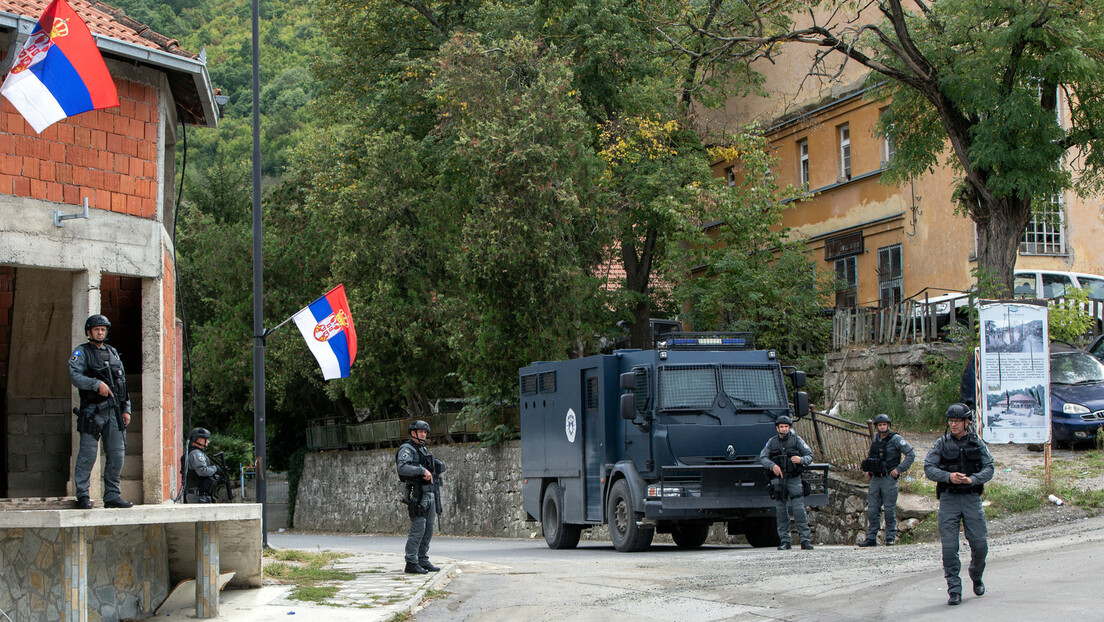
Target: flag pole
[258,288]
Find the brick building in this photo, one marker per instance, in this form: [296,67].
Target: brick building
[119,261]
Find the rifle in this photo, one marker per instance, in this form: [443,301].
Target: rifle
[224,473]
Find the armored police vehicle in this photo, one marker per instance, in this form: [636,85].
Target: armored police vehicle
[664,440]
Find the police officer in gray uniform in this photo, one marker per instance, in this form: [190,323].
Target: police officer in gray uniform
[889,457]
[786,456]
[960,464]
[97,372]
[201,476]
[419,473]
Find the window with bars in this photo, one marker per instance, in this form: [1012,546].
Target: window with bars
[803,162]
[1045,233]
[847,282]
[888,148]
[845,151]
[890,276]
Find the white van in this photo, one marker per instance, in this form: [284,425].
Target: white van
[1050,284]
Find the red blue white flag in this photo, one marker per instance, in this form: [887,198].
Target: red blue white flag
[59,72]
[327,325]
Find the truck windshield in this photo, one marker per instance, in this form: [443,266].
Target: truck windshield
[754,386]
[695,387]
[690,387]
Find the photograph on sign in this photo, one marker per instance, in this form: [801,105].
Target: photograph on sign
[1015,373]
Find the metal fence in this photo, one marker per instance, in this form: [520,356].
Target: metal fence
[841,442]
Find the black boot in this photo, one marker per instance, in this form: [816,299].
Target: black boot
[429,566]
[415,569]
[865,543]
[955,599]
[83,503]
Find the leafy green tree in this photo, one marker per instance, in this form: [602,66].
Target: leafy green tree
[742,272]
[988,78]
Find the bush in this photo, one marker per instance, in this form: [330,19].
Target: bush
[877,392]
[942,390]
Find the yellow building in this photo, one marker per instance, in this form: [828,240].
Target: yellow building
[886,242]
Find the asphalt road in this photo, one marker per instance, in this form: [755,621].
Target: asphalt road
[1053,573]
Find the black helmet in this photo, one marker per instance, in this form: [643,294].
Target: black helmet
[418,424]
[197,434]
[881,418]
[783,419]
[959,411]
[96,320]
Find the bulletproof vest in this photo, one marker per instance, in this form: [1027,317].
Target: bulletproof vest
[425,459]
[877,459]
[104,365]
[781,451]
[965,459]
[192,480]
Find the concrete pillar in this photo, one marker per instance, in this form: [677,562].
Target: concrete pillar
[207,570]
[86,301]
[75,580]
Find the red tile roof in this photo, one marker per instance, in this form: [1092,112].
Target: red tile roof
[102,19]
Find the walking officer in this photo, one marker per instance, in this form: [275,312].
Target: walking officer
[419,472]
[889,457]
[960,464]
[786,456]
[97,372]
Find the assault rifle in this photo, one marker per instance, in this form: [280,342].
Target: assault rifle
[223,473]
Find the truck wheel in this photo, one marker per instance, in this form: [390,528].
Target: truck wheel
[557,534]
[761,531]
[627,536]
[689,536]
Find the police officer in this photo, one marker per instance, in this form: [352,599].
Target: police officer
[97,372]
[419,471]
[889,457]
[960,464]
[202,476]
[785,456]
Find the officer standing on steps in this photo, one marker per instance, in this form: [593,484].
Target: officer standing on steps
[889,457]
[960,464]
[419,472]
[97,372]
[786,456]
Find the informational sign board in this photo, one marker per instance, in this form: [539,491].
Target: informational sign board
[1014,375]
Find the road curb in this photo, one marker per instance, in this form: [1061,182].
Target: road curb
[441,577]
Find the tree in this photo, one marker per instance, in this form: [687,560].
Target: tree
[988,77]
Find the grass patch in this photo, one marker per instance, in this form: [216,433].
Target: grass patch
[1081,497]
[917,486]
[402,616]
[313,593]
[1004,500]
[306,569]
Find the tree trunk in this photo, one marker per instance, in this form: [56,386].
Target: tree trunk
[638,270]
[1000,227]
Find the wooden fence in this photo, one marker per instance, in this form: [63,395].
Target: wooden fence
[916,321]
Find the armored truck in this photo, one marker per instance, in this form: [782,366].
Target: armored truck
[665,440]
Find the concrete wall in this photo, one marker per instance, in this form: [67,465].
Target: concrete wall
[128,572]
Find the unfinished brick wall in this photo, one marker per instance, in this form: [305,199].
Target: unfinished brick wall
[109,156]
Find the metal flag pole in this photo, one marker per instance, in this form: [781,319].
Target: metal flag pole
[258,287]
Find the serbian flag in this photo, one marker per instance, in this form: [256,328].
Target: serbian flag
[327,326]
[59,72]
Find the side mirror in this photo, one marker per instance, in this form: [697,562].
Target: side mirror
[628,403]
[798,378]
[801,403]
[628,380]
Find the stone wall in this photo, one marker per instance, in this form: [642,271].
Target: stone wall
[128,572]
[907,363]
[357,491]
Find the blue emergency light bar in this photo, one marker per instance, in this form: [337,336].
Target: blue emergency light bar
[706,341]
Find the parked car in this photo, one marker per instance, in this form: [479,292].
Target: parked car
[1025,284]
[1076,393]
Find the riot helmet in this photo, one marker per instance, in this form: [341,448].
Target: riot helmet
[418,424]
[783,419]
[881,418]
[197,434]
[96,320]
[959,411]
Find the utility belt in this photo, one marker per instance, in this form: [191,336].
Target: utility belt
[86,418]
[958,489]
[876,467]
